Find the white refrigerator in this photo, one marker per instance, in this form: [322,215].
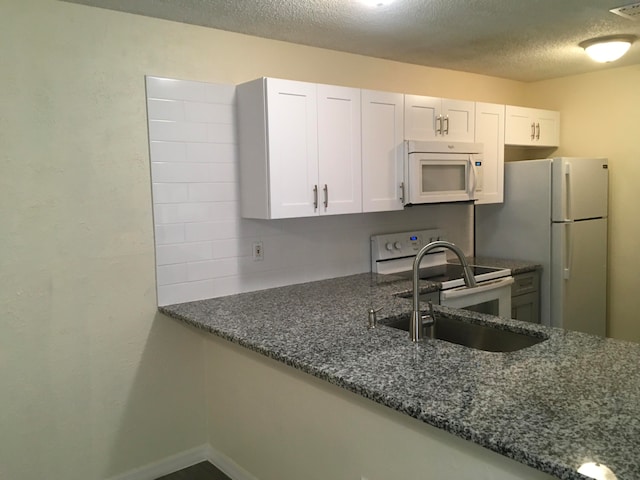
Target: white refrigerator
[555,213]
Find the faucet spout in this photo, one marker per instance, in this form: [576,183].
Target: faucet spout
[416,320]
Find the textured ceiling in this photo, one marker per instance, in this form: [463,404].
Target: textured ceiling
[525,40]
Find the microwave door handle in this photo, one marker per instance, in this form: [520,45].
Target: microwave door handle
[472,189]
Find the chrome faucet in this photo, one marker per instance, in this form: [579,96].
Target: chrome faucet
[415,328]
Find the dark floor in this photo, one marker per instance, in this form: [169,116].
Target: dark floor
[199,471]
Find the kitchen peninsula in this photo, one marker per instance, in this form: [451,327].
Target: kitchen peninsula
[568,401]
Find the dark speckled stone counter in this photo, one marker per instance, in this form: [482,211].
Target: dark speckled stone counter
[516,266]
[571,399]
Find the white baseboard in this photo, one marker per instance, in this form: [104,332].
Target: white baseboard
[185,459]
[228,466]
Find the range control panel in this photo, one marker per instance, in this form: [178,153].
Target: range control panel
[390,246]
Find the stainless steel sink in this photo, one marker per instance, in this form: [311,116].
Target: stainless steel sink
[471,335]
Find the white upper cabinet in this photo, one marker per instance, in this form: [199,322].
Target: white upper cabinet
[490,132]
[532,127]
[299,149]
[433,118]
[382,151]
[339,150]
[278,147]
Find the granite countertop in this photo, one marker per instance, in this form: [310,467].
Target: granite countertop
[571,399]
[516,266]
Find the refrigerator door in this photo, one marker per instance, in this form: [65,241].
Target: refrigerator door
[579,276]
[580,188]
[520,228]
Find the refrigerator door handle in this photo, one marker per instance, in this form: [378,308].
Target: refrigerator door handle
[568,245]
[567,192]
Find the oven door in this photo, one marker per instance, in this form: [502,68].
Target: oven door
[492,297]
[441,177]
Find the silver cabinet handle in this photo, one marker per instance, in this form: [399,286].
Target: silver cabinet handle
[533,131]
[402,193]
[315,197]
[439,125]
[537,131]
[326,196]
[446,130]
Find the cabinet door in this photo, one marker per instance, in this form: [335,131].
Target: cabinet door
[525,308]
[532,126]
[489,130]
[422,118]
[339,150]
[292,138]
[382,151]
[548,128]
[458,120]
[519,126]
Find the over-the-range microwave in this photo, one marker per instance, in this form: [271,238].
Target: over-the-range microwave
[442,171]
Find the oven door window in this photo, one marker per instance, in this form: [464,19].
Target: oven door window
[491,307]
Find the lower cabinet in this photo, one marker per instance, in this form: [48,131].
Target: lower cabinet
[525,297]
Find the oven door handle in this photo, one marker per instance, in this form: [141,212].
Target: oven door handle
[482,287]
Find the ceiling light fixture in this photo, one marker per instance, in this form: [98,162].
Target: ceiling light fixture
[376,3]
[608,49]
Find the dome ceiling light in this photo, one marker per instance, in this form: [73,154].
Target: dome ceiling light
[608,49]
[376,3]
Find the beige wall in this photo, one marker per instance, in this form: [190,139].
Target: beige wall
[601,117]
[282,424]
[94,382]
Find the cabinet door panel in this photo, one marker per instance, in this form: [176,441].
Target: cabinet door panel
[518,126]
[339,149]
[549,128]
[382,150]
[421,117]
[489,130]
[293,147]
[459,120]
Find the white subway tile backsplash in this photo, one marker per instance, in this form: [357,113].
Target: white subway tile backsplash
[170,89]
[183,253]
[169,131]
[204,247]
[223,211]
[170,274]
[212,152]
[182,172]
[191,212]
[185,292]
[218,93]
[162,152]
[231,248]
[209,113]
[159,109]
[170,192]
[195,232]
[166,234]
[221,133]
[223,172]
[212,192]
[212,269]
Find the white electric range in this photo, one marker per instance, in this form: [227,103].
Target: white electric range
[394,253]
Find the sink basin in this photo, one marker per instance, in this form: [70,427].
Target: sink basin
[471,335]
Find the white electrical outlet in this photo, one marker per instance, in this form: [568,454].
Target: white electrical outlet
[258,251]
